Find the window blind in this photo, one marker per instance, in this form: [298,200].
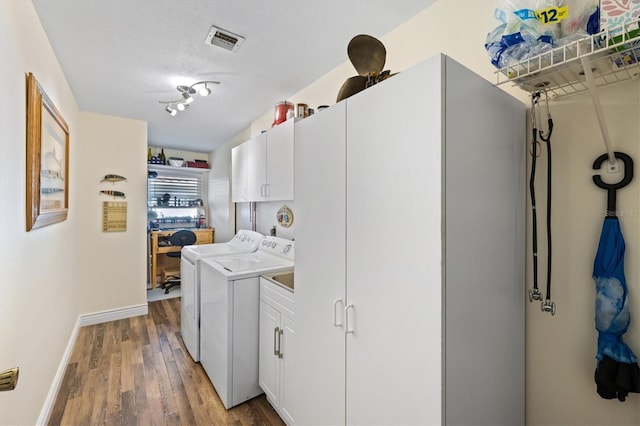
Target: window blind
[175,189]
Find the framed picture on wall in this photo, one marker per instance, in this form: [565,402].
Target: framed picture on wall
[47,159]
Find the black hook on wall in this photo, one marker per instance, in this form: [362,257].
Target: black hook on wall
[613,187]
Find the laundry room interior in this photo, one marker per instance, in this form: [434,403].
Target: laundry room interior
[428,214]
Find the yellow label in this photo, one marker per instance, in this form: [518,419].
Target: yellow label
[552,15]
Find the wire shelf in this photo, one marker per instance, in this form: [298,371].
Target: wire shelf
[614,56]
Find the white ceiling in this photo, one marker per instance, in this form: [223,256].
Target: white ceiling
[121,57]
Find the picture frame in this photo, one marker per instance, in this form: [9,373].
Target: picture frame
[47,200]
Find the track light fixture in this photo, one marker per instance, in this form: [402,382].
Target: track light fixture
[186,93]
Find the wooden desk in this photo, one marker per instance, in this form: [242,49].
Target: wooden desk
[159,263]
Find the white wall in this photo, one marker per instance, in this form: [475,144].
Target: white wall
[52,275]
[266,218]
[560,349]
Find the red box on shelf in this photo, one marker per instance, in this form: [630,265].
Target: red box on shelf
[198,164]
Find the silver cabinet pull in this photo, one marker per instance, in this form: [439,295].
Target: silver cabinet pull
[349,330]
[335,313]
[276,335]
[280,333]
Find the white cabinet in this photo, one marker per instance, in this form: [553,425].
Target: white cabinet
[320,347]
[276,347]
[279,159]
[410,256]
[262,167]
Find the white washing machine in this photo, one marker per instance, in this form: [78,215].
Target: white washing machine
[230,312]
[244,241]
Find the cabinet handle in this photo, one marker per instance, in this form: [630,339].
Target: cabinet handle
[276,335]
[346,313]
[267,191]
[280,333]
[335,313]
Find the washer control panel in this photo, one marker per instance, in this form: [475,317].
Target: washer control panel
[277,246]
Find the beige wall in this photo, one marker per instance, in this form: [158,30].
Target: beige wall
[39,278]
[52,275]
[560,349]
[111,265]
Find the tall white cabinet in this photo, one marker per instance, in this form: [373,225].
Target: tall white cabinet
[410,254]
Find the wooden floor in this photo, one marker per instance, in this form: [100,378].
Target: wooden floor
[137,371]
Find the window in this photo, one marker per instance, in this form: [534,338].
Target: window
[176,197]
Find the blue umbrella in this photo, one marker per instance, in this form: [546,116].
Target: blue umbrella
[617,372]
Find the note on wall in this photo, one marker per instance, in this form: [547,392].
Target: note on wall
[114,216]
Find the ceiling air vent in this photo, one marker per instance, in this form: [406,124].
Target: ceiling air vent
[223,38]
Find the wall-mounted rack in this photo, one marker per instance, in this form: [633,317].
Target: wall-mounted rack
[608,57]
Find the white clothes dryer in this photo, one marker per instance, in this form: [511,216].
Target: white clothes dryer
[230,316]
[244,241]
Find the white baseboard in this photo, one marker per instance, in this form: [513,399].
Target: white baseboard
[83,320]
[43,418]
[113,315]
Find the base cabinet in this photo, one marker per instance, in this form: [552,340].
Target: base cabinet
[424,325]
[276,347]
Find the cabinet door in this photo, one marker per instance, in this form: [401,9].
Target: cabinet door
[394,278]
[320,267]
[257,167]
[269,374]
[286,371]
[280,162]
[239,174]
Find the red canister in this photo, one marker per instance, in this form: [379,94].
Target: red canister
[281,112]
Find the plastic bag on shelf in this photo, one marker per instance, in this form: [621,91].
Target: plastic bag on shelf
[528,28]
[583,16]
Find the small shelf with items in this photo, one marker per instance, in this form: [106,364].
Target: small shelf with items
[608,57]
[612,55]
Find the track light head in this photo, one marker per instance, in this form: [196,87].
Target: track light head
[204,91]
[180,107]
[171,110]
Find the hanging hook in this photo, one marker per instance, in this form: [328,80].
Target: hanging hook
[613,187]
[549,121]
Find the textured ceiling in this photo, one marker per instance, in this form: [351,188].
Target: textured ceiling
[123,56]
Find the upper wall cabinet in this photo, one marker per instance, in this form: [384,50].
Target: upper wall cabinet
[262,167]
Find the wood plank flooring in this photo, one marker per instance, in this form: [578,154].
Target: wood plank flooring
[137,371]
